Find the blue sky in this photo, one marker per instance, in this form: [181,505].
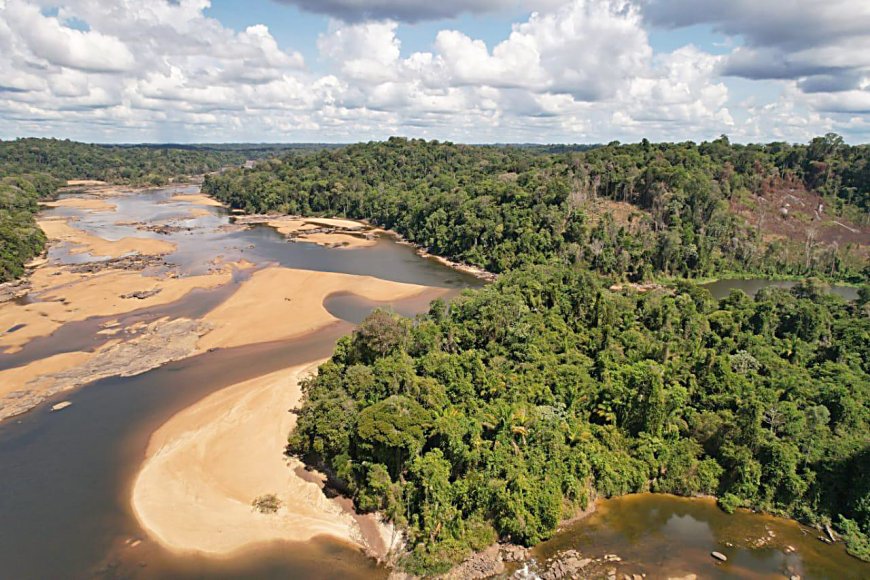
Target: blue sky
[465,70]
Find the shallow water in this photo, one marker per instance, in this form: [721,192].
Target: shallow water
[721,288]
[666,536]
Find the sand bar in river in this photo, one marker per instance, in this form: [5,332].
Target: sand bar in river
[281,303]
[207,464]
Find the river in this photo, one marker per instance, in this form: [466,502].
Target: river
[65,477]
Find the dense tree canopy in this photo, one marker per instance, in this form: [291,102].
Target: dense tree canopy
[503,412]
[499,414]
[626,211]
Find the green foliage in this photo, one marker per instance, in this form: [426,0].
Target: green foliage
[267,503]
[135,165]
[20,237]
[499,414]
[626,211]
[857,541]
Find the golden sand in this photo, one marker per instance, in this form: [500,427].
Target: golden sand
[60,230]
[207,464]
[281,303]
[82,203]
[69,297]
[197,199]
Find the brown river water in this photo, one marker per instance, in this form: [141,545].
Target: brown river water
[65,477]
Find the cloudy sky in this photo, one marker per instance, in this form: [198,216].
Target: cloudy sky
[470,71]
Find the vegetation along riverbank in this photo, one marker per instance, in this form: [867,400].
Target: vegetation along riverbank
[501,413]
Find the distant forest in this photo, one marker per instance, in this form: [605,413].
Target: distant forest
[501,413]
[33,169]
[630,212]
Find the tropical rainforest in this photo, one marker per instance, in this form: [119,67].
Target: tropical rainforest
[499,414]
[629,212]
[33,169]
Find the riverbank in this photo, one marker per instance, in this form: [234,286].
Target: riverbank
[279,303]
[351,234]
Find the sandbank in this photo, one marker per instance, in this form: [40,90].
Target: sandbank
[337,223]
[84,182]
[281,303]
[197,199]
[69,297]
[16,397]
[336,240]
[81,203]
[205,466]
[337,233]
[60,230]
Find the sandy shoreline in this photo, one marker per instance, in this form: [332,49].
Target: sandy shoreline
[91,204]
[282,303]
[329,232]
[197,199]
[68,297]
[207,464]
[60,230]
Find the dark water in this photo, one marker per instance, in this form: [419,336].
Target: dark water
[666,536]
[65,476]
[721,288]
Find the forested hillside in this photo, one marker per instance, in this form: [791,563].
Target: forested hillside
[32,169]
[20,237]
[630,212]
[511,408]
[499,414]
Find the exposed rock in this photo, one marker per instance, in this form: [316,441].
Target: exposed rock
[158,343]
[14,290]
[514,553]
[133,262]
[142,294]
[481,565]
[565,565]
[719,556]
[163,229]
